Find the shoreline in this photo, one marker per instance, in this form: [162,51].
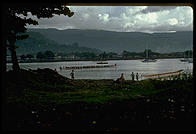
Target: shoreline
[44,61]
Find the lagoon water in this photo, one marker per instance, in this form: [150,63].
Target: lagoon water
[122,66]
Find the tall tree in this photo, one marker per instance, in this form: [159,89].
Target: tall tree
[15,25]
[40,55]
[49,55]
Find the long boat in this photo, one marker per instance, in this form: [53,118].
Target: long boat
[160,75]
[86,67]
[102,62]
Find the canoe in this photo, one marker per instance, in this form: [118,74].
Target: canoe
[162,74]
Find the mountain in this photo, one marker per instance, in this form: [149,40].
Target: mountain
[38,42]
[116,41]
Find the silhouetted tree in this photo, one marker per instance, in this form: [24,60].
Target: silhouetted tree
[48,55]
[103,55]
[40,55]
[188,53]
[23,57]
[125,54]
[29,56]
[15,25]
[112,54]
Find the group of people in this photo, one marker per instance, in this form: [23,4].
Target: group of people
[133,76]
[122,77]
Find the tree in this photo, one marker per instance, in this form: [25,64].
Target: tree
[40,55]
[29,56]
[125,54]
[103,55]
[15,25]
[23,57]
[112,55]
[188,53]
[49,55]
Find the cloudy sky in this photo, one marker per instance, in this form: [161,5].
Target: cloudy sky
[124,18]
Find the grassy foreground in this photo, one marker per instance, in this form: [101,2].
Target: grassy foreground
[44,100]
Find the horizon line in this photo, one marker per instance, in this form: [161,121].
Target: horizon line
[150,32]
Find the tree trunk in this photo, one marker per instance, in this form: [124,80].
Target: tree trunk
[15,65]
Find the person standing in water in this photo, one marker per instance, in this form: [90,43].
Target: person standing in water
[72,75]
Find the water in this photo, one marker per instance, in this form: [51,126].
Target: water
[123,66]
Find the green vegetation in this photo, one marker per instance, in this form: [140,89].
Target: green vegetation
[38,42]
[44,100]
[111,41]
[45,55]
[15,24]
[41,91]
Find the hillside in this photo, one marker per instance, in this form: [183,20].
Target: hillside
[119,41]
[38,42]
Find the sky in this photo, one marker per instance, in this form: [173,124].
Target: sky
[123,19]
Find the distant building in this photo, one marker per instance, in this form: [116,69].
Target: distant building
[70,57]
[58,57]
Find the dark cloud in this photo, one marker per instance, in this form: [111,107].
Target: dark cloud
[157,8]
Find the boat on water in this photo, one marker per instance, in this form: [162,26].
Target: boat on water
[87,67]
[149,60]
[161,75]
[187,59]
[184,60]
[102,62]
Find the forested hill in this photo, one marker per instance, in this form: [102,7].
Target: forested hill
[111,41]
[37,42]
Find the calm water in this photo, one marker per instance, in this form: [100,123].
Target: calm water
[123,66]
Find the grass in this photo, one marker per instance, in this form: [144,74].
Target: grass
[74,104]
[102,93]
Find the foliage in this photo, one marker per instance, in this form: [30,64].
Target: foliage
[15,25]
[85,55]
[48,55]
[97,91]
[188,53]
[40,55]
[30,56]
[111,41]
[23,57]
